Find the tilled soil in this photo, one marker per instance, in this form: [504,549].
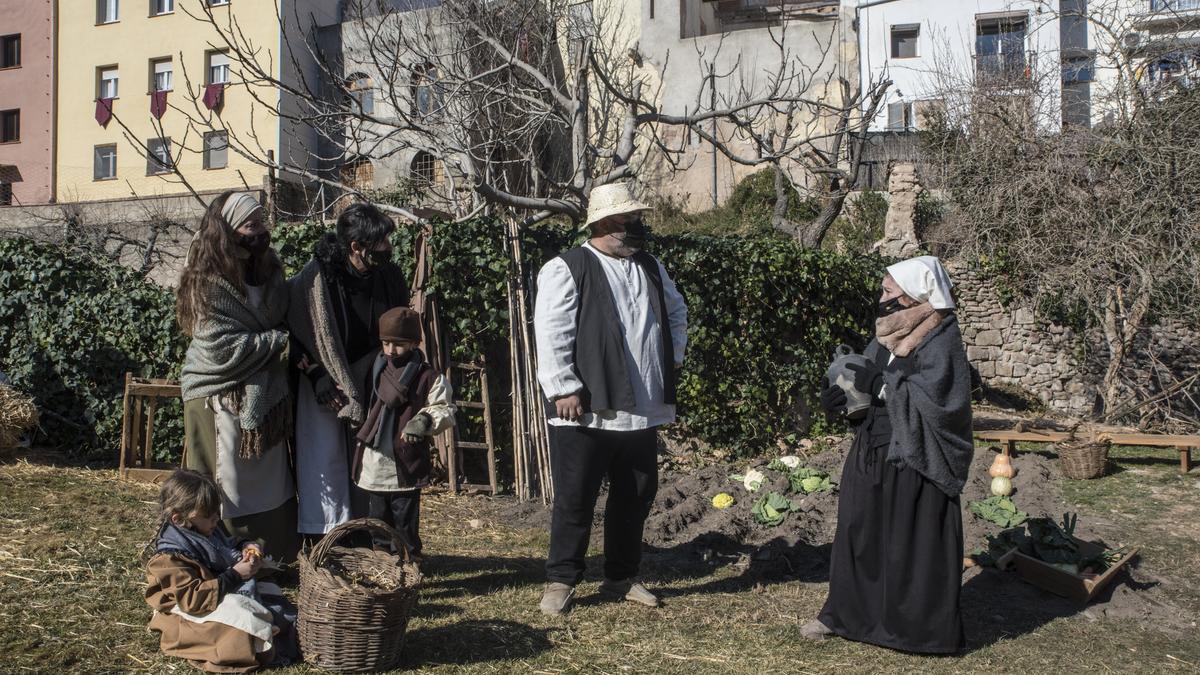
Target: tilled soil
[684,528]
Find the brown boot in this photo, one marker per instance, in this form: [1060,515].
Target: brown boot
[556,599]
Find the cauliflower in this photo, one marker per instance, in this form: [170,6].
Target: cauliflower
[790,461]
[753,480]
[723,500]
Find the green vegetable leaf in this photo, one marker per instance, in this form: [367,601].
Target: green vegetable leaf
[771,509]
[999,510]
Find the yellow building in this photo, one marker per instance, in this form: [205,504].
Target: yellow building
[116,54]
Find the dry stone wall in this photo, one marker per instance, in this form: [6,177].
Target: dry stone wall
[1011,346]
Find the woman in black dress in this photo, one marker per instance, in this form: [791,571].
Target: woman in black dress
[896,567]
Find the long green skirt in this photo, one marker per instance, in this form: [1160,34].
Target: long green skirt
[275,527]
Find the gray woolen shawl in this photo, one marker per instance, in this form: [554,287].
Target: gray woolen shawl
[237,350]
[930,409]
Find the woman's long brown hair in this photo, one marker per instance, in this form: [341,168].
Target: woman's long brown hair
[212,255]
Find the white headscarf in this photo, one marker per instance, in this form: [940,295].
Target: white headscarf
[238,208]
[923,278]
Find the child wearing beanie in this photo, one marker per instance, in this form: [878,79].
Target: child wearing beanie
[409,403]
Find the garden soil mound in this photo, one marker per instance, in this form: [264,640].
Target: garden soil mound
[685,527]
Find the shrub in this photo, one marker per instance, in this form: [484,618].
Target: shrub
[765,316]
[73,326]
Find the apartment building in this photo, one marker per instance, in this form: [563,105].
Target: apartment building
[150,89]
[27,66]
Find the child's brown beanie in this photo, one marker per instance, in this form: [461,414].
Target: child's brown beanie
[400,323]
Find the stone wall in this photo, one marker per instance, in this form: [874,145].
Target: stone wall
[1011,346]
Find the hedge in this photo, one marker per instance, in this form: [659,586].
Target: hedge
[73,325]
[765,316]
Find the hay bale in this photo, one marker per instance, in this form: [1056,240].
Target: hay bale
[18,415]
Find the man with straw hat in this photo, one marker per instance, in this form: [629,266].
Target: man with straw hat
[611,331]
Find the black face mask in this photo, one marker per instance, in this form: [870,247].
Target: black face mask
[255,244]
[889,307]
[378,258]
[636,234]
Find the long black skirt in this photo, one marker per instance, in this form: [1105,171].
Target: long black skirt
[896,567]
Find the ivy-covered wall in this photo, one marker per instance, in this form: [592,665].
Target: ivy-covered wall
[71,326]
[765,316]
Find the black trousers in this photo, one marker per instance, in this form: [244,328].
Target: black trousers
[401,510]
[581,458]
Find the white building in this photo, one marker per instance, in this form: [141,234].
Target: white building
[1045,49]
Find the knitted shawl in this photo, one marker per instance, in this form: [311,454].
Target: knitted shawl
[310,318]
[929,406]
[237,353]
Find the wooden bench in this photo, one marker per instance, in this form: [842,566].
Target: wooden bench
[1010,438]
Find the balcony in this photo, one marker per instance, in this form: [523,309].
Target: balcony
[1009,70]
[750,11]
[1169,16]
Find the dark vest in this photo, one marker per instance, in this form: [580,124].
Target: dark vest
[601,358]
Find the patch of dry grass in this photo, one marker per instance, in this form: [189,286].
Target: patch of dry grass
[71,600]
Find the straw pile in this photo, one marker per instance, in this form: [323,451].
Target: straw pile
[18,414]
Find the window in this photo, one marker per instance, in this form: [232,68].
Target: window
[216,150]
[158,7]
[904,40]
[362,98]
[1000,47]
[424,168]
[10,126]
[162,75]
[108,83]
[104,165]
[427,95]
[10,51]
[5,194]
[218,68]
[215,3]
[581,21]
[900,116]
[108,11]
[158,157]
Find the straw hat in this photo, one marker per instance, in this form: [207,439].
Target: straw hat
[613,199]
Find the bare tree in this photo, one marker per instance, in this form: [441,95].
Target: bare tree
[1100,225]
[528,106]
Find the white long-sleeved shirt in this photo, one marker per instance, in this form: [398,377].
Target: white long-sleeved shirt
[554,329]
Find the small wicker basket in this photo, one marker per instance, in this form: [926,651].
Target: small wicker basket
[1083,460]
[355,602]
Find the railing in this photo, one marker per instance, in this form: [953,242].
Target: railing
[1173,5]
[1012,67]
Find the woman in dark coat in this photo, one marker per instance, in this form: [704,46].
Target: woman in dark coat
[336,302]
[896,567]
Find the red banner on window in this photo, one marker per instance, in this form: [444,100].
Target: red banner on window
[214,96]
[104,111]
[158,104]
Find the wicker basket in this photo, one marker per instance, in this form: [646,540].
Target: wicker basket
[1082,461]
[355,602]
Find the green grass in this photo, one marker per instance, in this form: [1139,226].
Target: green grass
[71,585]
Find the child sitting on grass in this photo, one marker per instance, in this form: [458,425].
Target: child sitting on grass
[207,605]
[410,403]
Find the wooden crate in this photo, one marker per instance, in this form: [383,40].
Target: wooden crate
[1060,582]
[137,428]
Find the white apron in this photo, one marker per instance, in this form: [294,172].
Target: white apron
[322,465]
[248,485]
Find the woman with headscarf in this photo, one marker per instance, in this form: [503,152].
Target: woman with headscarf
[237,413]
[896,566]
[337,300]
